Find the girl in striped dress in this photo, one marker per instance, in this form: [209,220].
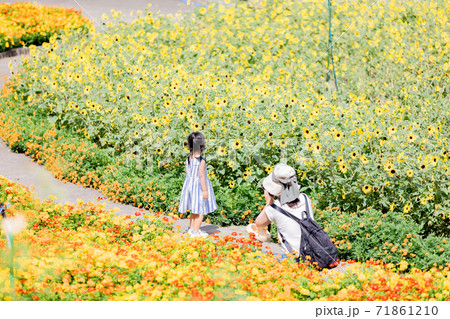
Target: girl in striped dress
[197,194]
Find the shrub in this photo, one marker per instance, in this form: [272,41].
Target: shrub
[390,237]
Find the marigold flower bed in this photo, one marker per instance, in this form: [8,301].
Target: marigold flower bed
[82,252]
[24,23]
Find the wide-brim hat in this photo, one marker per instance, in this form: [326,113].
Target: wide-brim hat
[281,171]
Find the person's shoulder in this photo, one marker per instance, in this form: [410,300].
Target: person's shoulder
[276,203]
[270,212]
[303,198]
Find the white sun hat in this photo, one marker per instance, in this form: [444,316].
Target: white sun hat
[273,183]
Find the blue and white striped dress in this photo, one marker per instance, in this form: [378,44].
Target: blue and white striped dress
[192,194]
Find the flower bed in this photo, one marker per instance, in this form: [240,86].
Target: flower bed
[82,252]
[23,23]
[112,112]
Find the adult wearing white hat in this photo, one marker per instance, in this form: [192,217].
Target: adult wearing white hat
[282,183]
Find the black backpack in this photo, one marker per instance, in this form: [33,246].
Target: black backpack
[315,246]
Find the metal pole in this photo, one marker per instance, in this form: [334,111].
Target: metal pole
[330,42]
[11,260]
[10,241]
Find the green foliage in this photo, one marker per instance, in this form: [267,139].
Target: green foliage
[390,237]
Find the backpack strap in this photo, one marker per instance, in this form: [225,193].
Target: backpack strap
[286,213]
[286,244]
[295,218]
[308,213]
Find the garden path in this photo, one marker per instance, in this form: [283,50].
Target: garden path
[95,9]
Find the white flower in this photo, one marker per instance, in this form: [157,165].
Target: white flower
[14,224]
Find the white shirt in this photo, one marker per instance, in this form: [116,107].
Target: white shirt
[288,227]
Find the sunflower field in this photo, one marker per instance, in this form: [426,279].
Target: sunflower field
[23,23]
[111,110]
[83,252]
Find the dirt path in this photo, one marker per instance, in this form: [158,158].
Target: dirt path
[20,168]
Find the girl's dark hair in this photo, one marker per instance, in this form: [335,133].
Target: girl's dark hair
[196,142]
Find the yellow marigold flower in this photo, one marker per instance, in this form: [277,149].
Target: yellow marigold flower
[304,291]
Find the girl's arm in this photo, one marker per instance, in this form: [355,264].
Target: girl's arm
[202,177]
